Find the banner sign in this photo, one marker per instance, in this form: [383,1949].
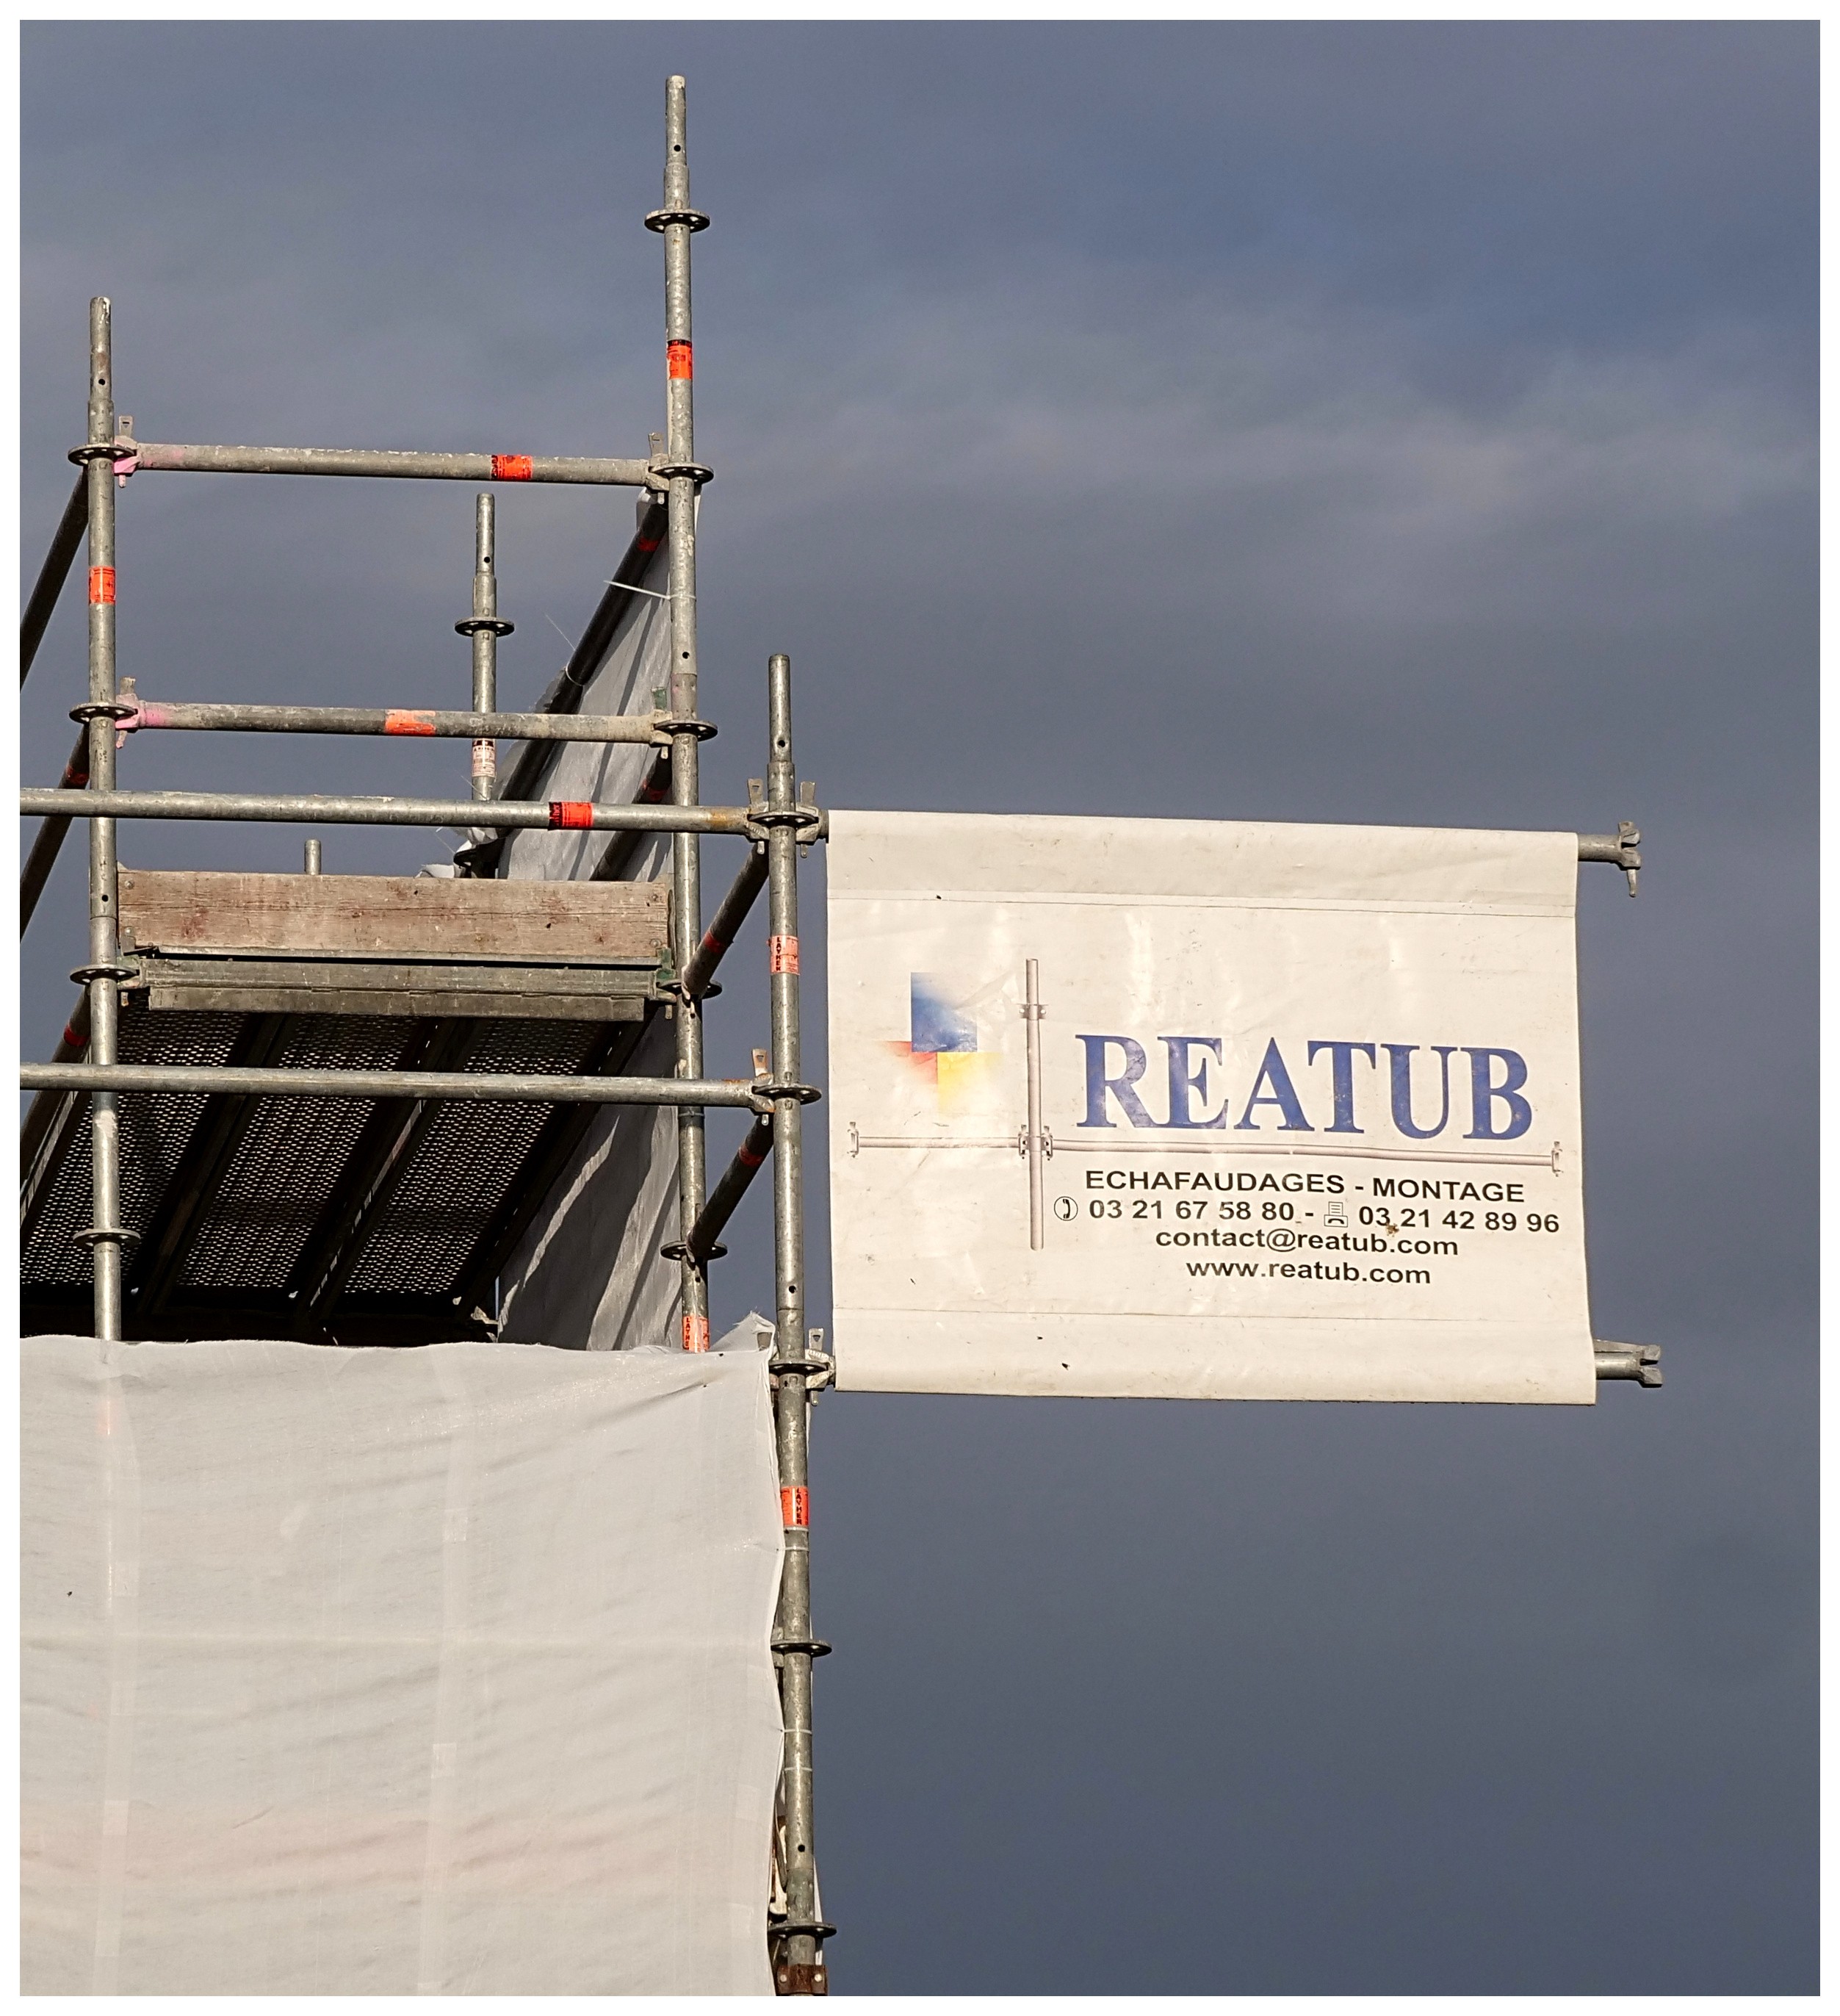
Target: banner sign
[1205,1109]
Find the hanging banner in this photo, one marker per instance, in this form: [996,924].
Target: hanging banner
[1205,1109]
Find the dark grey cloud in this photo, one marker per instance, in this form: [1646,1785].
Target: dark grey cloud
[1410,423]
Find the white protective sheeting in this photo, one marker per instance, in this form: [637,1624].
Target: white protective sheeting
[589,1274]
[370,1673]
[636,668]
[1308,1119]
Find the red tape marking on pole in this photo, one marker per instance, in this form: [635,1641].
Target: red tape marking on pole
[676,360]
[571,812]
[697,1333]
[747,1160]
[795,1505]
[782,955]
[102,584]
[511,468]
[404,720]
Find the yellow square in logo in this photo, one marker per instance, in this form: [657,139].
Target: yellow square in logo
[963,1076]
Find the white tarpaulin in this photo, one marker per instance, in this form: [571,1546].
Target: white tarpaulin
[369,1672]
[1306,1125]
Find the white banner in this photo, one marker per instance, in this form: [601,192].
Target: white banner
[1205,1109]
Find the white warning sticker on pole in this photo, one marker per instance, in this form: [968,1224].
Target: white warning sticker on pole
[1205,1109]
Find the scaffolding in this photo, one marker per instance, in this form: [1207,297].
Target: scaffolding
[358,1046]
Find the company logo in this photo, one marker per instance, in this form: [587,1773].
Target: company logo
[942,1044]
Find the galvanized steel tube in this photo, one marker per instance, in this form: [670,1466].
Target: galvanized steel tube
[204,460]
[104,1081]
[486,630]
[73,1045]
[792,1401]
[100,806]
[731,1188]
[233,717]
[731,915]
[680,536]
[105,954]
[43,857]
[49,585]
[1639,1361]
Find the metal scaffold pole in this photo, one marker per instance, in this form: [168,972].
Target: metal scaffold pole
[484,626]
[799,1968]
[676,221]
[105,972]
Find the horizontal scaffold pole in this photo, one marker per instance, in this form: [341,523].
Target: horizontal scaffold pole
[1622,849]
[1640,1361]
[627,470]
[232,716]
[558,815]
[525,1086]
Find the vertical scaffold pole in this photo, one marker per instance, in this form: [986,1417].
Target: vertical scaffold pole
[485,628]
[104,973]
[799,1968]
[676,222]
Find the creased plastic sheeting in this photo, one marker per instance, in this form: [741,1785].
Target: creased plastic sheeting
[439,1670]
[588,1276]
[637,665]
[1309,1126]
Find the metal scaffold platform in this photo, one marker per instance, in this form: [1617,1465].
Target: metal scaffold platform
[327,1108]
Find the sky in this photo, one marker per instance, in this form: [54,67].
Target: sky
[1404,424]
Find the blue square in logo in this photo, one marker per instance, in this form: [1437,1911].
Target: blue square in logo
[938,1022]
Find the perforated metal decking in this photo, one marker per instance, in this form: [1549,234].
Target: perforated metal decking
[379,1221]
[307,1217]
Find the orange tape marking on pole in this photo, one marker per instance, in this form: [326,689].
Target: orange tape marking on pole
[782,955]
[697,1333]
[571,812]
[795,1505]
[403,720]
[677,361]
[102,584]
[511,468]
